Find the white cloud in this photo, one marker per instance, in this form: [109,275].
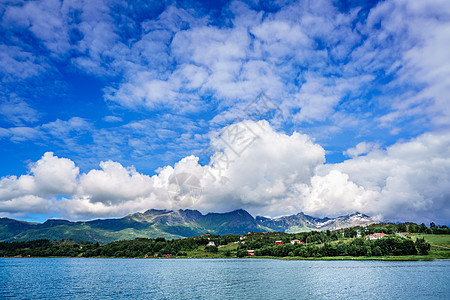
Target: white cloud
[316,100]
[43,19]
[21,133]
[361,148]
[263,163]
[17,111]
[149,93]
[312,59]
[17,63]
[342,56]
[62,129]
[66,131]
[114,183]
[257,170]
[49,176]
[410,178]
[417,36]
[33,193]
[24,205]
[12,187]
[247,180]
[333,194]
[112,119]
[82,208]
[253,167]
[54,175]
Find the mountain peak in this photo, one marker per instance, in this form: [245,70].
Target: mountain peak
[55,222]
[157,211]
[359,215]
[241,212]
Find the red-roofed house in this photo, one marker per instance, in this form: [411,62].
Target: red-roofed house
[376,236]
[278,243]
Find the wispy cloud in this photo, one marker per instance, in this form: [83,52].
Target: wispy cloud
[310,57]
[16,111]
[361,148]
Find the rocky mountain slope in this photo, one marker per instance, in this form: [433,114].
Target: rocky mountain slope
[301,222]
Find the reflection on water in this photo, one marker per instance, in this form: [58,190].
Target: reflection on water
[88,278]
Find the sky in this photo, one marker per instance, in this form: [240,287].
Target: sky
[327,107]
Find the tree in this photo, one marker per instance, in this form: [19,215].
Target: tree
[241,253]
[401,227]
[423,228]
[350,233]
[422,246]
[213,249]
[377,251]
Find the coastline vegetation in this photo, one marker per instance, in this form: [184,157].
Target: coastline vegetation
[417,242]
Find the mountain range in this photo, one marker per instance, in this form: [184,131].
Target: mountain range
[170,224]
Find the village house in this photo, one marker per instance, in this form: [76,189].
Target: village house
[278,243]
[210,244]
[251,252]
[295,241]
[376,236]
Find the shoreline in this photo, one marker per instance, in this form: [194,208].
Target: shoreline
[328,258]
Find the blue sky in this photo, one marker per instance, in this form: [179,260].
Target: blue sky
[131,92]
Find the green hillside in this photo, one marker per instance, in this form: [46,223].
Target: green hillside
[314,245]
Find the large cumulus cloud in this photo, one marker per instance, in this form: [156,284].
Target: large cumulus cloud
[411,178]
[258,171]
[34,192]
[254,167]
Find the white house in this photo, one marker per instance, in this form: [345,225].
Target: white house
[376,236]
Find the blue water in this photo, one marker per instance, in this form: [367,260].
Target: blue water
[96,278]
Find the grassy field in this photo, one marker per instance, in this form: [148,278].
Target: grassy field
[442,240]
[201,253]
[440,244]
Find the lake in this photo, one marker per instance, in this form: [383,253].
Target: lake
[98,278]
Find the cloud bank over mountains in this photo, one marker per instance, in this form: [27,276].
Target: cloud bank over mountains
[275,174]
